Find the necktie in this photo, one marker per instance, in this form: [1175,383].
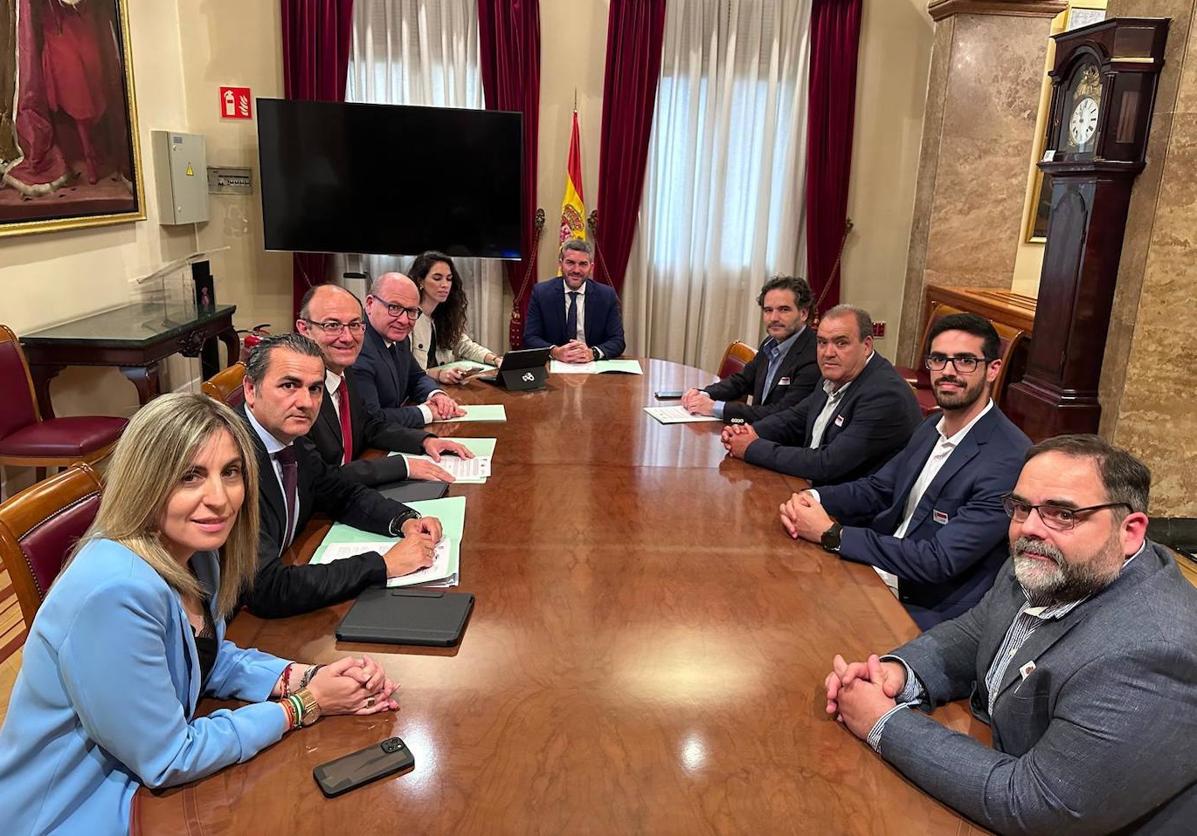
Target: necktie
[287,460]
[346,426]
[571,317]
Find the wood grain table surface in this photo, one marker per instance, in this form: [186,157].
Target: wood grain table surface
[645,654]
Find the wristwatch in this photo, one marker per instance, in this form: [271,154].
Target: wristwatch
[595,352]
[831,538]
[396,529]
[311,708]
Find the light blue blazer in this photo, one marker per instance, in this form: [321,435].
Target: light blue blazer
[106,696]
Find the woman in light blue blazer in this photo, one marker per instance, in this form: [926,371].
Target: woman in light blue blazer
[131,635]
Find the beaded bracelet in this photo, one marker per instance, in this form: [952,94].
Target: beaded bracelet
[286,677]
[297,705]
[290,712]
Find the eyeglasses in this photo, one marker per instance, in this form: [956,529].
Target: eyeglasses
[963,363]
[395,309]
[332,327]
[1056,517]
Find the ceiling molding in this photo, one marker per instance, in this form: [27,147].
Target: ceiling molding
[939,9]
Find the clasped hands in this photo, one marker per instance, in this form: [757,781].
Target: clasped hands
[736,438]
[443,406]
[574,351]
[803,516]
[353,685]
[698,402]
[417,548]
[859,693]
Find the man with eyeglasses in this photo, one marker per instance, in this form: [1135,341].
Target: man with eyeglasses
[1082,659]
[345,426]
[931,520]
[386,375]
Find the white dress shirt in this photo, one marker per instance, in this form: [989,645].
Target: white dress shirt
[580,336]
[834,396]
[332,384]
[273,445]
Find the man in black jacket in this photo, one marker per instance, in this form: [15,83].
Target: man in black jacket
[284,384]
[784,370]
[345,426]
[862,415]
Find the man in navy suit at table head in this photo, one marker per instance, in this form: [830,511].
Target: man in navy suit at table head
[572,315]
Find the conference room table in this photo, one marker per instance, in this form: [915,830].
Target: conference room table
[646,653]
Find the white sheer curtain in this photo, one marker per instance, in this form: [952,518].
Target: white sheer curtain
[723,194]
[425,52]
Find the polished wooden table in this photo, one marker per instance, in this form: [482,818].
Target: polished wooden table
[134,338]
[645,656]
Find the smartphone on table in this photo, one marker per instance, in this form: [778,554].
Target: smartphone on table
[362,767]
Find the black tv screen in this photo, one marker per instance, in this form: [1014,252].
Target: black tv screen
[389,179]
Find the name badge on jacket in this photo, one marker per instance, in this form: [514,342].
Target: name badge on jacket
[839,420]
[785,381]
[940,517]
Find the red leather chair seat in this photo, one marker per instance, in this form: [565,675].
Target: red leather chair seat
[63,437]
[47,545]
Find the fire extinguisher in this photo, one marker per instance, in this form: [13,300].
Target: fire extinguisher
[251,338]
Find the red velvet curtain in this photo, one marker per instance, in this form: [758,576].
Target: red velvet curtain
[316,39]
[835,39]
[635,31]
[509,35]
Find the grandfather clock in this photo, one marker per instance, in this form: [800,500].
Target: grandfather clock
[1103,91]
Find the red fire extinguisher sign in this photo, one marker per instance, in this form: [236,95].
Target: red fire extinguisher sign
[236,103]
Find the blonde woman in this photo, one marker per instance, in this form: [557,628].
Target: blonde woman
[131,635]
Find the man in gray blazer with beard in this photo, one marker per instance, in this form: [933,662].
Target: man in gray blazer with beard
[1082,657]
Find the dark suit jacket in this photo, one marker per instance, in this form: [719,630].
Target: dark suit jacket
[387,378]
[1096,738]
[799,367]
[545,326]
[280,590]
[945,565]
[370,431]
[874,420]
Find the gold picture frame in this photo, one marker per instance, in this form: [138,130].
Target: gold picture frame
[70,151]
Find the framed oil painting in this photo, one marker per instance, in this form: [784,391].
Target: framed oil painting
[69,150]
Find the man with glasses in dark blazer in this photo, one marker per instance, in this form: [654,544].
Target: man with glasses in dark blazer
[386,375]
[931,520]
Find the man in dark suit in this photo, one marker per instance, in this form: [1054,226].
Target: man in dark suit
[573,316]
[345,427]
[784,370]
[931,520]
[387,376]
[861,414]
[284,384]
[1081,658]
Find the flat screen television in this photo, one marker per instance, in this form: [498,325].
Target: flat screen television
[389,179]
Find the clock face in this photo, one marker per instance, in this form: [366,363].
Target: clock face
[1083,123]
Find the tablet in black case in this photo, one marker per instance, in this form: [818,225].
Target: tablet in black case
[407,616]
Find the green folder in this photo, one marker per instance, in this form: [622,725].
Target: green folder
[477,446]
[624,366]
[478,412]
[450,511]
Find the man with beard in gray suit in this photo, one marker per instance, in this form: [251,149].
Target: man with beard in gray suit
[1082,658]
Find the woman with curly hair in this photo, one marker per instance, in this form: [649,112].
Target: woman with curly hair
[439,336]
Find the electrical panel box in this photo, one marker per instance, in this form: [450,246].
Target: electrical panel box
[181,171]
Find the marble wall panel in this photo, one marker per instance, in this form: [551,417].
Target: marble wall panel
[924,196]
[993,70]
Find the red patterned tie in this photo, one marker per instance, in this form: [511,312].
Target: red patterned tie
[346,426]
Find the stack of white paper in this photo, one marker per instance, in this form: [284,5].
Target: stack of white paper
[676,415]
[443,571]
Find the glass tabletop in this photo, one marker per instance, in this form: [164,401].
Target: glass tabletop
[133,324]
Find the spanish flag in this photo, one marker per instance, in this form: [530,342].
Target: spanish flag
[573,207]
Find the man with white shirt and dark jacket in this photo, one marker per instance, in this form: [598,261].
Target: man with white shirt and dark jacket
[284,385]
[932,516]
[861,415]
[345,426]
